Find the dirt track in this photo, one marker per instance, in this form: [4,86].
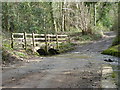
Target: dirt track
[80,68]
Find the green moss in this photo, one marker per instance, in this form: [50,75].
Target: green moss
[20,54]
[113,75]
[112,51]
[7,46]
[116,41]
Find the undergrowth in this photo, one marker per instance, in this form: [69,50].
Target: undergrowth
[89,37]
[65,47]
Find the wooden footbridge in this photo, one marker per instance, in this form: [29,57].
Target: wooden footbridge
[37,41]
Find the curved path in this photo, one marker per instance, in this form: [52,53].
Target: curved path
[81,68]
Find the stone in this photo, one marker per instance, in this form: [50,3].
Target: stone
[108,60]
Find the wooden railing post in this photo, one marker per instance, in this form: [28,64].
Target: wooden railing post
[69,41]
[11,40]
[25,42]
[46,43]
[33,40]
[57,41]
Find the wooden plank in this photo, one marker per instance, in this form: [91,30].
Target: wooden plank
[39,34]
[51,35]
[18,38]
[61,38]
[39,38]
[18,33]
[29,37]
[28,34]
[40,41]
[62,35]
[60,42]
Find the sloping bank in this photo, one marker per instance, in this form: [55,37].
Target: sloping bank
[114,49]
[65,47]
[12,56]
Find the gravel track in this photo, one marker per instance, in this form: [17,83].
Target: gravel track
[80,68]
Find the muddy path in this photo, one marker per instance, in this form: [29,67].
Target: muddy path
[80,68]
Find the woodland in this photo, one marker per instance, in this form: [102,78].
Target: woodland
[94,39]
[83,20]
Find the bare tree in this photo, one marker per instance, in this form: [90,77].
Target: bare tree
[84,18]
[63,16]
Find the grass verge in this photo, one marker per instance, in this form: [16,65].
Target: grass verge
[114,51]
[65,47]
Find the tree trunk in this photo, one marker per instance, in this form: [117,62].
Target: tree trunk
[63,17]
[5,15]
[52,17]
[94,14]
[84,32]
[55,24]
[77,19]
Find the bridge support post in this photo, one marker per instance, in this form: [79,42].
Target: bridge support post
[11,40]
[25,42]
[33,41]
[57,44]
[69,41]
[46,43]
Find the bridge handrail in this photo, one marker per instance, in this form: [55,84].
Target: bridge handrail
[33,37]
